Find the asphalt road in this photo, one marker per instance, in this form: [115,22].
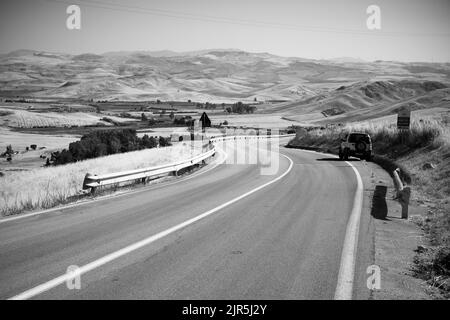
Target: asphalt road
[283,241]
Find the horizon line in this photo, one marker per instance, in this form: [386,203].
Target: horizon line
[181,53]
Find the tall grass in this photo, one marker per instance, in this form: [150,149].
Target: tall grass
[389,143]
[386,138]
[50,186]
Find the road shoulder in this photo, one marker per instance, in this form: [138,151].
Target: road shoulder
[395,239]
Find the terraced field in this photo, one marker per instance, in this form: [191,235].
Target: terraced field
[19,118]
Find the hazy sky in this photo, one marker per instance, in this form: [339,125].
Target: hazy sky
[411,30]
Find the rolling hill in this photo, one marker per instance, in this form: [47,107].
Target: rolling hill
[208,75]
[369,100]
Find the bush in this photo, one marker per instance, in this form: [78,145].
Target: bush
[433,266]
[179,121]
[149,142]
[9,151]
[164,142]
[240,107]
[184,121]
[102,143]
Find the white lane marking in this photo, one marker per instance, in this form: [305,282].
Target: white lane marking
[344,288]
[109,197]
[117,254]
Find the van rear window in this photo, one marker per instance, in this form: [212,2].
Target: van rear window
[358,137]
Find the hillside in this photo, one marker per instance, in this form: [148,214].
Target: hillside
[368,100]
[209,75]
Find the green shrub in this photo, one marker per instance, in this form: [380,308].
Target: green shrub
[104,142]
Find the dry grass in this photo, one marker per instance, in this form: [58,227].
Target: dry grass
[20,140]
[428,141]
[20,118]
[47,187]
[386,137]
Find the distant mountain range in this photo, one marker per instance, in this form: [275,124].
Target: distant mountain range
[209,75]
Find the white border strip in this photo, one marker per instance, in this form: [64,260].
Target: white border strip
[117,254]
[344,288]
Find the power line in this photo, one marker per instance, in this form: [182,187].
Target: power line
[253,23]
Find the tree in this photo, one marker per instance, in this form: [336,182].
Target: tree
[9,150]
[172,115]
[164,142]
[151,122]
[101,143]
[143,117]
[149,142]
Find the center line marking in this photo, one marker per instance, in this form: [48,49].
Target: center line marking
[117,254]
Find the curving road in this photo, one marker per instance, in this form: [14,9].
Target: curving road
[260,237]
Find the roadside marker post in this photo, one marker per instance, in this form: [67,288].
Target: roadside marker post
[403,123]
[404,119]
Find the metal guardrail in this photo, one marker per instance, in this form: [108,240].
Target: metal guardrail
[93,181]
[250,137]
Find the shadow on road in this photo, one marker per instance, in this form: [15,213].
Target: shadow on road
[379,206]
[336,159]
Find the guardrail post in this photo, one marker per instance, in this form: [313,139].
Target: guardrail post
[403,198]
[403,193]
[88,178]
[397,181]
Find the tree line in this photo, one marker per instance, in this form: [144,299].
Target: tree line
[105,142]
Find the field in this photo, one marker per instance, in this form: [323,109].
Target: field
[46,187]
[53,125]
[253,120]
[19,118]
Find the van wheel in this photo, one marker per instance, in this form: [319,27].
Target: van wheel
[345,155]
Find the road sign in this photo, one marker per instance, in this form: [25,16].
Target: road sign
[204,119]
[403,119]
